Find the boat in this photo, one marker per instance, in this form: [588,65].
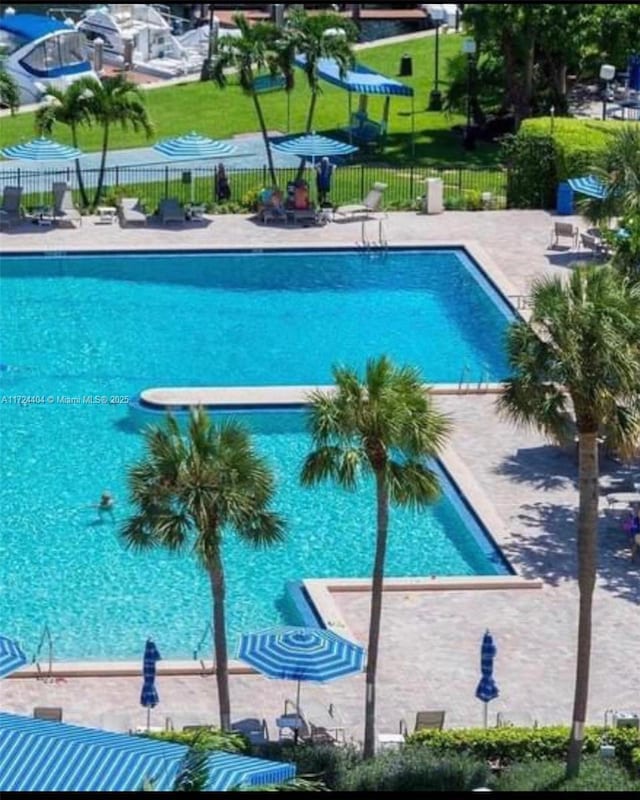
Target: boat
[39,52]
[139,37]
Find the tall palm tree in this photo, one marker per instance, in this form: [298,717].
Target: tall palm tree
[9,92]
[116,101]
[317,36]
[70,107]
[579,353]
[255,49]
[385,427]
[187,491]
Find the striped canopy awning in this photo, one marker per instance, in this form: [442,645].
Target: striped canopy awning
[311,145]
[588,185]
[359,79]
[37,755]
[41,149]
[11,656]
[193,147]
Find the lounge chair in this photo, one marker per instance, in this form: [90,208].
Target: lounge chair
[170,210]
[63,207]
[594,244]
[11,210]
[271,206]
[424,720]
[564,230]
[370,204]
[131,211]
[50,713]
[254,729]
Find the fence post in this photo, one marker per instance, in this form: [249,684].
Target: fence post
[264,174]
[166,181]
[117,175]
[361,180]
[460,181]
[412,190]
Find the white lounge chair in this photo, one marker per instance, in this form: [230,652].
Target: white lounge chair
[370,204]
[131,211]
[63,207]
[11,210]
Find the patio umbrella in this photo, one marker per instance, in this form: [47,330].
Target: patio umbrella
[41,149]
[149,696]
[311,145]
[487,688]
[301,654]
[588,185]
[193,147]
[11,656]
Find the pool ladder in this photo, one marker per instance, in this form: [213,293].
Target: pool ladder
[465,383]
[371,245]
[45,638]
[208,631]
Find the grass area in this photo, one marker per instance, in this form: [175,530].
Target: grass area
[222,113]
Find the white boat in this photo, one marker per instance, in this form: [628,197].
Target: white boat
[39,52]
[142,35]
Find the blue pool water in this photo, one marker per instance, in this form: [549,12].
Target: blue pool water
[113,325]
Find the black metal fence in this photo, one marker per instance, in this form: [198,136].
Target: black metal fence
[462,187]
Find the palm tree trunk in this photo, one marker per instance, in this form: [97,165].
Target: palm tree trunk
[103,161]
[382,499]
[308,126]
[263,128]
[83,191]
[216,578]
[587,564]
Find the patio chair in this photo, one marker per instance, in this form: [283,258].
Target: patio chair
[564,230]
[63,207]
[424,720]
[370,204]
[50,713]
[170,210]
[594,244]
[131,211]
[271,206]
[11,210]
[254,729]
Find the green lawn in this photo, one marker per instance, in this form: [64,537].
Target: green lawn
[222,113]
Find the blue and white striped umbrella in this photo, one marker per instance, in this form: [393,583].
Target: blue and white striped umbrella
[11,656]
[487,688]
[311,145]
[149,695]
[41,149]
[589,185]
[301,654]
[193,147]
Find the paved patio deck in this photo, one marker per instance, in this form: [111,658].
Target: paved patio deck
[430,642]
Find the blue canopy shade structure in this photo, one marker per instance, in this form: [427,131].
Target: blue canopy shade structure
[149,695]
[487,688]
[37,755]
[31,26]
[634,73]
[41,149]
[11,656]
[588,185]
[193,147]
[311,145]
[359,79]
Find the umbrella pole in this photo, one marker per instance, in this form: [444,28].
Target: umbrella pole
[296,729]
[148,718]
[486,715]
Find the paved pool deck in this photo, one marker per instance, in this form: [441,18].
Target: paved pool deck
[430,642]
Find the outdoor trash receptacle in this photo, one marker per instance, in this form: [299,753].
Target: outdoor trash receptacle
[564,199]
[432,198]
[406,65]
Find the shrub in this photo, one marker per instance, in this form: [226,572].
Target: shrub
[326,763]
[208,738]
[414,769]
[596,775]
[532,170]
[454,202]
[526,744]
[473,201]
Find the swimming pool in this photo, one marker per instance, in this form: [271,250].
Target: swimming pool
[76,327]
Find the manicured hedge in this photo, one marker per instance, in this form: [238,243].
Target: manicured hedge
[209,738]
[596,775]
[528,744]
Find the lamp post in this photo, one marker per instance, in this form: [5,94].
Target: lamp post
[435,98]
[607,73]
[469,47]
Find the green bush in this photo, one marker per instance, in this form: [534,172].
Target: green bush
[454,202]
[533,177]
[414,769]
[596,775]
[473,201]
[208,738]
[526,744]
[327,763]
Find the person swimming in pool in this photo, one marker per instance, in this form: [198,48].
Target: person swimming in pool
[106,505]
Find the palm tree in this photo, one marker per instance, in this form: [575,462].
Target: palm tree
[187,491]
[9,92]
[116,101]
[385,427]
[580,352]
[70,107]
[255,49]
[317,36]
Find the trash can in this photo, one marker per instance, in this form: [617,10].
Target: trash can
[406,66]
[564,199]
[432,198]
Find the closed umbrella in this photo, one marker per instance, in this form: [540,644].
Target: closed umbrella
[193,147]
[149,696]
[11,656]
[301,654]
[487,688]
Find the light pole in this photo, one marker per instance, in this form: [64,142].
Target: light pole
[435,98]
[469,47]
[607,73]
